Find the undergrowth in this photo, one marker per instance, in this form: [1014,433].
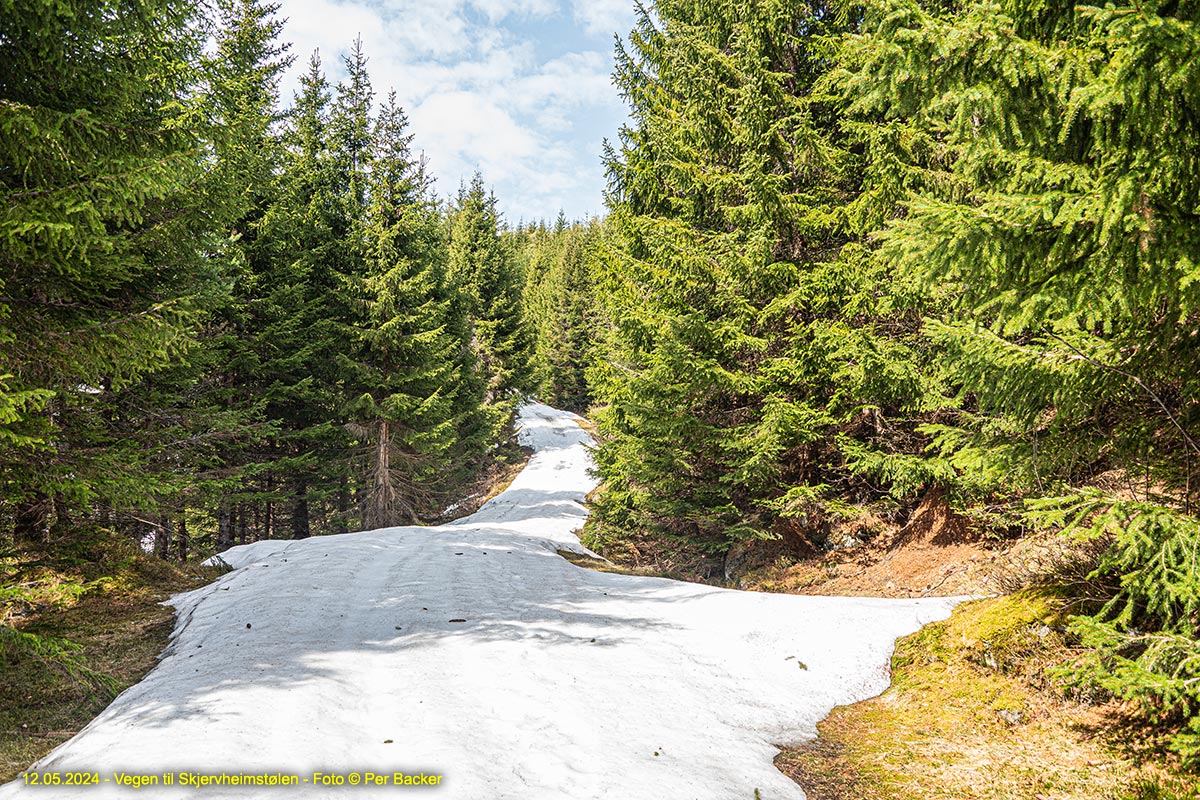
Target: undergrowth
[975,713]
[76,628]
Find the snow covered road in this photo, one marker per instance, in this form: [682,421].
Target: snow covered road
[474,652]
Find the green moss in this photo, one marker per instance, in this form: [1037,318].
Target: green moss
[119,627]
[967,719]
[998,617]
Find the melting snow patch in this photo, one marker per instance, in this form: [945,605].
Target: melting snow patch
[404,650]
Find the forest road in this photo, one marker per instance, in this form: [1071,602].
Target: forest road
[475,656]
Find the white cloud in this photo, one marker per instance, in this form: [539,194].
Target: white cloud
[605,17]
[481,92]
[497,10]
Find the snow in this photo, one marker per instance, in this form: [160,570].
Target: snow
[341,654]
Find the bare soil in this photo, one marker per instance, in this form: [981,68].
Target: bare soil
[972,713]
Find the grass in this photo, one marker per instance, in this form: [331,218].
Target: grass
[505,473]
[971,716]
[119,628]
[492,478]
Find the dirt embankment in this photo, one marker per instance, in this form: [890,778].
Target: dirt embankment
[974,711]
[937,551]
[932,551]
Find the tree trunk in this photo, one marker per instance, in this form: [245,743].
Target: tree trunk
[224,527]
[181,540]
[269,511]
[381,504]
[343,505]
[30,524]
[62,515]
[300,512]
[162,538]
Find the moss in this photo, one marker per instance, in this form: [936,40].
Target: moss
[968,718]
[121,628]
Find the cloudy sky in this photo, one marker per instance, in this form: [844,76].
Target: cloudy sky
[518,89]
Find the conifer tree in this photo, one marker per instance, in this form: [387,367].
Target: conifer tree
[294,280]
[484,267]
[406,414]
[750,330]
[247,66]
[1061,202]
[350,126]
[562,308]
[109,244]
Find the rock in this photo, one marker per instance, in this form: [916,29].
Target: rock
[1011,716]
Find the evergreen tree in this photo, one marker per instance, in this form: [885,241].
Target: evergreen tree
[109,244]
[248,63]
[406,414]
[298,339]
[757,358]
[350,127]
[1060,201]
[562,308]
[483,265]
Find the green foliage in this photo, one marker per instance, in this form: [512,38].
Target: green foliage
[750,324]
[1058,210]
[104,179]
[562,308]
[484,267]
[1155,556]
[408,368]
[1048,153]
[905,473]
[1143,642]
[869,250]
[59,654]
[221,321]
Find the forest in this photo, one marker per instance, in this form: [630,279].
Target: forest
[854,255]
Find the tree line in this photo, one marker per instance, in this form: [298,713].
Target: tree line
[859,253]
[224,320]
[854,254]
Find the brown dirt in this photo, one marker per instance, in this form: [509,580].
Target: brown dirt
[972,713]
[937,552]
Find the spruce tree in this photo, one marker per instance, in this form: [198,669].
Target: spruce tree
[294,280]
[110,245]
[562,308]
[405,416]
[757,359]
[247,66]
[1060,201]
[483,265]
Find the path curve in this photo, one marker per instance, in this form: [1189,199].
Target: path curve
[342,654]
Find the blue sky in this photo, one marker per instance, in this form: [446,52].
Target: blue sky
[519,89]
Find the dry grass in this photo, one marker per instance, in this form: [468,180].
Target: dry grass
[495,477]
[502,477]
[600,565]
[121,627]
[971,717]
[589,427]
